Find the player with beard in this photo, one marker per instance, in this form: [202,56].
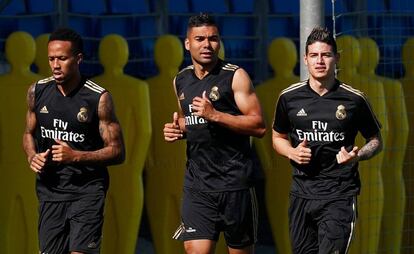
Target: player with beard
[71,136]
[219,111]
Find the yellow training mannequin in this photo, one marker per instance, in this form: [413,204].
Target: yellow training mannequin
[408,172]
[41,60]
[371,200]
[394,189]
[126,195]
[165,162]
[18,214]
[277,169]
[222,52]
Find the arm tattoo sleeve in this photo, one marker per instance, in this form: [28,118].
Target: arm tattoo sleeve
[371,148]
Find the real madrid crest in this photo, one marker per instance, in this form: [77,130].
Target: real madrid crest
[83,115]
[340,112]
[214,94]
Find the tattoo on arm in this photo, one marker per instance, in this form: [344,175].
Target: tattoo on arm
[113,151]
[107,117]
[31,97]
[371,148]
[28,140]
[110,131]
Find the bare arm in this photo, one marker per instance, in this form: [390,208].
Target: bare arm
[28,140]
[181,118]
[250,122]
[176,129]
[300,154]
[113,151]
[36,161]
[371,148]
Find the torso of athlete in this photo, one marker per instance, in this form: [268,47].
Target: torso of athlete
[73,119]
[218,159]
[327,122]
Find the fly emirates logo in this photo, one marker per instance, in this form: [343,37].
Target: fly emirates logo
[193,119]
[320,133]
[60,132]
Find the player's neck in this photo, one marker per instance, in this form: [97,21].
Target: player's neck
[321,86]
[202,70]
[69,85]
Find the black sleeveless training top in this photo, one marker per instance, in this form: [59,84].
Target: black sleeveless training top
[74,120]
[218,159]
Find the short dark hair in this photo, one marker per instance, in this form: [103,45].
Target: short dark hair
[203,19]
[322,35]
[67,34]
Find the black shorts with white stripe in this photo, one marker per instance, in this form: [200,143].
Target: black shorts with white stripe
[206,214]
[322,225]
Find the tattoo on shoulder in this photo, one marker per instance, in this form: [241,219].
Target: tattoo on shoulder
[31,97]
[106,108]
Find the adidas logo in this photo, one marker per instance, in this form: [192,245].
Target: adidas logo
[181,97]
[44,110]
[92,245]
[190,230]
[301,113]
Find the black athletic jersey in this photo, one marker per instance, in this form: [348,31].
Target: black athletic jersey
[74,120]
[218,159]
[327,122]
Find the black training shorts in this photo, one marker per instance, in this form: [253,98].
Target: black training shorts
[71,225]
[321,226]
[206,214]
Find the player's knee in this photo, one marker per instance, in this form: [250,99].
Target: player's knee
[199,247]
